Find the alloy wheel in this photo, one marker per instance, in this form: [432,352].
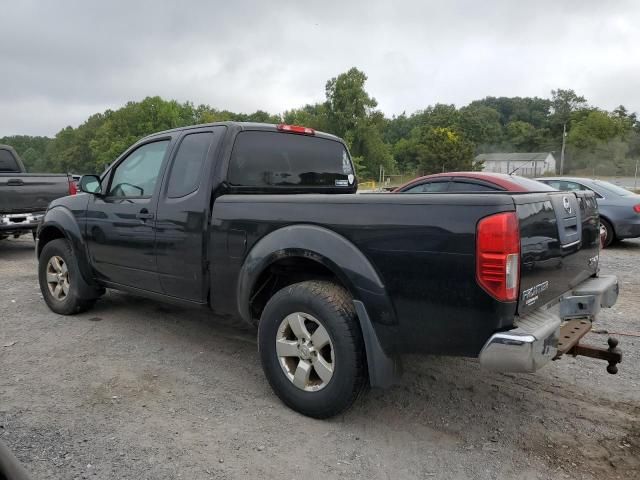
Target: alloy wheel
[58,278]
[305,351]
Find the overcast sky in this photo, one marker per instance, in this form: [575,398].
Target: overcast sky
[62,61]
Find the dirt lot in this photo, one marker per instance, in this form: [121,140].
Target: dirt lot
[135,389]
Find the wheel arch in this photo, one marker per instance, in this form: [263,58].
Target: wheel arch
[59,222]
[330,253]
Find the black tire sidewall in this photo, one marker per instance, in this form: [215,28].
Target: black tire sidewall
[72,303]
[610,233]
[340,388]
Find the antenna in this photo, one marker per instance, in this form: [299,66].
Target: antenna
[526,163]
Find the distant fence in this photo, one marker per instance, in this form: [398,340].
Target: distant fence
[367,185]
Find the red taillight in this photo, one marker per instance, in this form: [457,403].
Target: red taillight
[636,208]
[72,187]
[296,129]
[498,255]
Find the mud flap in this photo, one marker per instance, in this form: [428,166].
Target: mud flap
[384,370]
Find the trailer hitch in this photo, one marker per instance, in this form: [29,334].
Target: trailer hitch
[569,344]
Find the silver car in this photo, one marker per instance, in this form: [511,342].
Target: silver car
[619,208]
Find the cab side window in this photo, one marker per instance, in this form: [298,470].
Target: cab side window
[136,176]
[458,186]
[187,167]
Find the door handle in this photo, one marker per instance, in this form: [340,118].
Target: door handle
[144,215]
[14,182]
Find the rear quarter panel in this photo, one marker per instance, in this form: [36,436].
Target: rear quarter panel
[422,247]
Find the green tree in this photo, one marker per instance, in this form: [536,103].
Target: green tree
[125,126]
[601,140]
[351,115]
[442,149]
[563,104]
[533,110]
[348,103]
[32,150]
[314,116]
[439,115]
[596,128]
[480,125]
[524,137]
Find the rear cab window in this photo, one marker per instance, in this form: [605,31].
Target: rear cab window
[7,162]
[266,160]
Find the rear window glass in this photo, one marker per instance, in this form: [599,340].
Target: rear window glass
[611,188]
[7,162]
[531,185]
[275,159]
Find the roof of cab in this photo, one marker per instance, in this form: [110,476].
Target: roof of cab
[243,126]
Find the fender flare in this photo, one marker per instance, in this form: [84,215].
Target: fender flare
[330,249]
[372,303]
[61,219]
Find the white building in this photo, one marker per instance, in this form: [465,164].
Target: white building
[525,164]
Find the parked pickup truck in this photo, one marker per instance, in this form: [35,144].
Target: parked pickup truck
[262,224]
[24,196]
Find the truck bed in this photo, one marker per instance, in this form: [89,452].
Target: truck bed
[423,248]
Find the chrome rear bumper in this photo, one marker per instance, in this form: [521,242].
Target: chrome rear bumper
[534,341]
[20,221]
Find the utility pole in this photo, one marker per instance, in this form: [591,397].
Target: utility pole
[635,177]
[564,140]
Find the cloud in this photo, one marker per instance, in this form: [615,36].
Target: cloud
[63,61]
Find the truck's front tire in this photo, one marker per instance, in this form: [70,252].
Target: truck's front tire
[60,279]
[312,349]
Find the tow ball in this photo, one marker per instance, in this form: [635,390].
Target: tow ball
[568,344]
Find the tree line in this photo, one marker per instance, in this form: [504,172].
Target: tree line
[441,137]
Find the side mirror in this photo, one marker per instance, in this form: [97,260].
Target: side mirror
[90,184]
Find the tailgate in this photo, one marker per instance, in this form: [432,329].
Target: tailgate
[30,192]
[559,240]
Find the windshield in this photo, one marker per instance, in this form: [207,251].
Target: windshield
[611,188]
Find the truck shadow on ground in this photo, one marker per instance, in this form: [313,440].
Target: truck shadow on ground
[568,424]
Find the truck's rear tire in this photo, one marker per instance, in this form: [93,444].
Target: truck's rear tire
[60,279]
[312,349]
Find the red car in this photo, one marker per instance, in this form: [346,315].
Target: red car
[471,182]
[477,182]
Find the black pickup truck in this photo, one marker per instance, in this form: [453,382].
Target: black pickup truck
[262,224]
[24,196]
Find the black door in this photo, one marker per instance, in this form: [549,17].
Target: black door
[121,224]
[183,215]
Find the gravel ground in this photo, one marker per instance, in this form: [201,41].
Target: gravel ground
[135,389]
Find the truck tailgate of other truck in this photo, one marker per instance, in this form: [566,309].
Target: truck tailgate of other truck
[30,192]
